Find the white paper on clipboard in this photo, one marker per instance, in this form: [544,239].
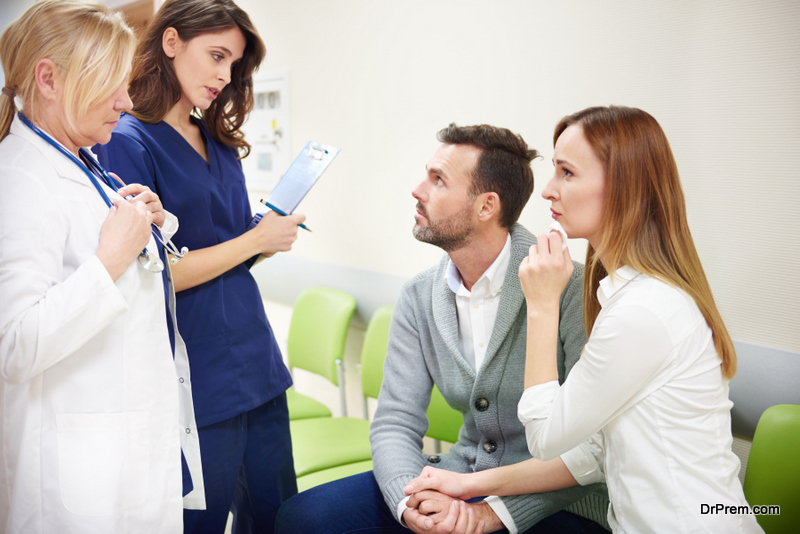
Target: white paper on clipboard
[303,173]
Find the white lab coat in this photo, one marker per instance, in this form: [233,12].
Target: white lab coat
[92,415]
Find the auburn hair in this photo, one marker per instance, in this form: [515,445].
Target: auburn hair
[644,221]
[154,86]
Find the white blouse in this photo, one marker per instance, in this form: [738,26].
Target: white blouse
[649,394]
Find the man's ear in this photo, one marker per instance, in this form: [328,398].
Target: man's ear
[489,206]
[47,78]
[170,42]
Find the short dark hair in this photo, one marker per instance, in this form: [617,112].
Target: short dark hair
[504,166]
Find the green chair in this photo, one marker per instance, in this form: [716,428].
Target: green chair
[317,334]
[373,354]
[322,444]
[444,423]
[334,473]
[341,445]
[773,468]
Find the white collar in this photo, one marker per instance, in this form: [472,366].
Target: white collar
[63,166]
[495,274]
[612,283]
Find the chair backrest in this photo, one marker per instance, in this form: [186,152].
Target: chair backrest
[773,468]
[765,376]
[318,330]
[373,352]
[444,422]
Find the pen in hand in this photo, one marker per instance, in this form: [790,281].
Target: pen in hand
[283,213]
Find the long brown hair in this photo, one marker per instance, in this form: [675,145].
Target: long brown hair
[90,44]
[644,221]
[154,86]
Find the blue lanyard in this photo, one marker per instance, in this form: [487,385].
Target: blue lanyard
[90,166]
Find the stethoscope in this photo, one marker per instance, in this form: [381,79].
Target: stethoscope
[147,259]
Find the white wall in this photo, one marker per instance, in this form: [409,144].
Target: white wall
[10,10]
[379,78]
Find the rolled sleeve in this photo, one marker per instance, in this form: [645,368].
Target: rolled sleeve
[536,401]
[585,462]
[533,410]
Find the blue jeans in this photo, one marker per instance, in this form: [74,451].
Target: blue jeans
[355,505]
[247,469]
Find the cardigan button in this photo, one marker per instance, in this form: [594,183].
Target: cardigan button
[490,446]
[434,458]
[481,404]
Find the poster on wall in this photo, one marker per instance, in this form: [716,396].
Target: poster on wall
[267,131]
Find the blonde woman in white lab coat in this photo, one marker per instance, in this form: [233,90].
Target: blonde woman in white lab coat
[89,393]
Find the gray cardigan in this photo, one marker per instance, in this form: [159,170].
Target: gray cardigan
[424,349]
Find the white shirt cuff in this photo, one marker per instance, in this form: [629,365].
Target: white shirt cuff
[584,464]
[536,402]
[170,226]
[499,507]
[401,507]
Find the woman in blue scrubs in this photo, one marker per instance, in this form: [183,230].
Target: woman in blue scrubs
[192,90]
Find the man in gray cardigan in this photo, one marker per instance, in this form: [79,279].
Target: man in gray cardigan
[462,326]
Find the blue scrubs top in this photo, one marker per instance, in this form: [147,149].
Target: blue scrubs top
[236,364]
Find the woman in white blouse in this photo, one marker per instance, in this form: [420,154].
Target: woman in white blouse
[648,401]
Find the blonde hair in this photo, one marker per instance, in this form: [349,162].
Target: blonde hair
[644,221]
[91,46]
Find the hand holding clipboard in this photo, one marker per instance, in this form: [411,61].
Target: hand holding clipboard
[295,184]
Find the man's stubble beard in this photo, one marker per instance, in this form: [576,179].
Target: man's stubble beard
[449,234]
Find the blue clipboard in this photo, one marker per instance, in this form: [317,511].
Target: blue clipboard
[303,173]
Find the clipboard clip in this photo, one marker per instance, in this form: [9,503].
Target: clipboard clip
[316,152]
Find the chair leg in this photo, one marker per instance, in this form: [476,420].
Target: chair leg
[342,395]
[364,405]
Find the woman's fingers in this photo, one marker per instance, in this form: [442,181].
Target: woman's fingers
[123,235]
[546,271]
[425,481]
[142,193]
[277,233]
